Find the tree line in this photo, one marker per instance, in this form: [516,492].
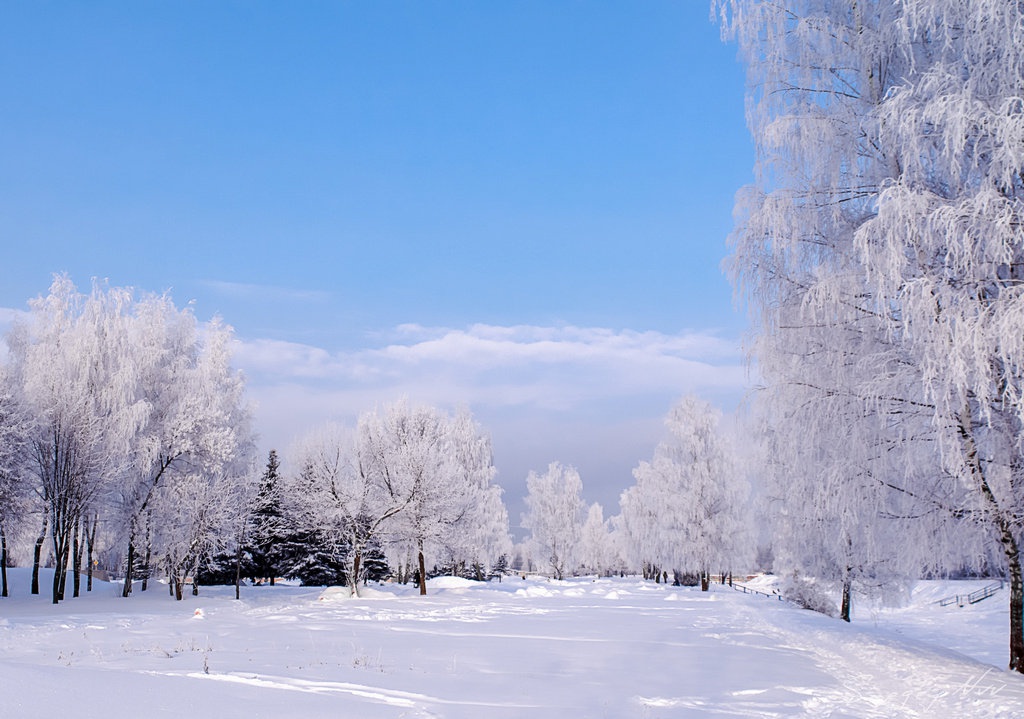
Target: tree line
[123,424]
[127,445]
[125,438]
[687,512]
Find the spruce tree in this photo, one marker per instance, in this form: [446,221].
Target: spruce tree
[268,538]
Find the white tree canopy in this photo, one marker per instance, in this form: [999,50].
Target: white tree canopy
[686,511]
[122,394]
[886,222]
[554,516]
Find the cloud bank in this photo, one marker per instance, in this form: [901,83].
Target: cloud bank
[587,396]
[548,368]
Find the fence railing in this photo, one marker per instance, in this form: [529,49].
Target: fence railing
[749,590]
[972,598]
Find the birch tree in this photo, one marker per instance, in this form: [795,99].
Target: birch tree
[687,509]
[62,381]
[15,491]
[119,392]
[554,516]
[475,529]
[338,494]
[889,182]
[596,553]
[199,509]
[440,469]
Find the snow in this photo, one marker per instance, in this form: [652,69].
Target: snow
[583,647]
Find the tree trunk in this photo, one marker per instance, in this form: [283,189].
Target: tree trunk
[76,558]
[3,562]
[357,560]
[238,571]
[89,546]
[60,532]
[705,581]
[423,573]
[149,555]
[1016,612]
[59,569]
[844,612]
[38,553]
[128,569]
[1004,528]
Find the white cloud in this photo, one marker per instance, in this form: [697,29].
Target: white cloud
[591,397]
[550,367]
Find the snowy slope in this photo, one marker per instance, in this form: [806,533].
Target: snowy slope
[581,648]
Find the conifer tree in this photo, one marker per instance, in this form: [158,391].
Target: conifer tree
[268,535]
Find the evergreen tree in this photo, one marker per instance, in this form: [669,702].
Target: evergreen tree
[375,564]
[310,558]
[220,569]
[268,537]
[501,567]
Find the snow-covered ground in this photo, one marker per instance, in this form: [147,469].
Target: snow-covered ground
[536,648]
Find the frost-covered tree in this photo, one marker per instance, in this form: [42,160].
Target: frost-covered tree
[120,393]
[206,491]
[889,191]
[410,478]
[338,498]
[14,484]
[554,516]
[596,553]
[65,385]
[268,524]
[946,247]
[687,510]
[439,468]
[477,530]
[407,449]
[195,418]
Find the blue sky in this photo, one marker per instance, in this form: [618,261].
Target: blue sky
[517,206]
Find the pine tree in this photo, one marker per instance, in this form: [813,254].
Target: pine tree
[266,547]
[501,567]
[375,564]
[310,558]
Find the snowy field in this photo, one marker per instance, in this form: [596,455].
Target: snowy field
[536,648]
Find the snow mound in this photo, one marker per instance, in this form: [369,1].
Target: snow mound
[451,583]
[534,591]
[331,594]
[335,594]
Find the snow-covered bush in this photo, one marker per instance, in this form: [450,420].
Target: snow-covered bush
[807,594]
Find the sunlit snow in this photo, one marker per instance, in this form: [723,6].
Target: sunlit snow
[523,647]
